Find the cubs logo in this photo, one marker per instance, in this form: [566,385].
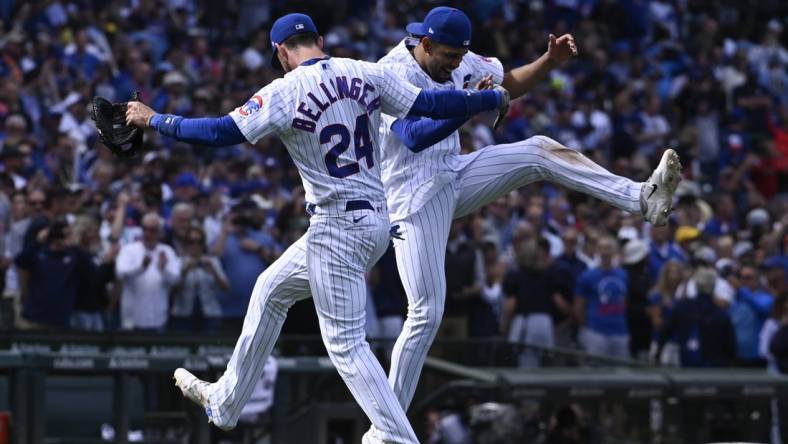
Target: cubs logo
[252,106]
[466,81]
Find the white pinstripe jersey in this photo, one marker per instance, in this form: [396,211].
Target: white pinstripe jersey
[327,114]
[410,179]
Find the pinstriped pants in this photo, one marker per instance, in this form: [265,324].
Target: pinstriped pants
[329,263]
[487,174]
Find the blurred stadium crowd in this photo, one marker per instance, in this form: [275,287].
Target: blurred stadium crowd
[175,240]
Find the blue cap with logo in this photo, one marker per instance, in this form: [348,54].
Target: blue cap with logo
[287,26]
[447,26]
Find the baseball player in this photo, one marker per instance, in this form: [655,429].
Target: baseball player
[327,113]
[427,189]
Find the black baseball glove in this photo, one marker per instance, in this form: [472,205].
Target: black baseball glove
[123,140]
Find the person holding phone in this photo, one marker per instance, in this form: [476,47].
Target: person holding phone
[195,301]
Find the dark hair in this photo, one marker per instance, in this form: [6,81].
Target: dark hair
[302,39]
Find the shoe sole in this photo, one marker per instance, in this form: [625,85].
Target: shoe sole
[671,176]
[180,376]
[672,169]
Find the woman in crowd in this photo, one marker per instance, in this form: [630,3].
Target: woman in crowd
[195,302]
[661,302]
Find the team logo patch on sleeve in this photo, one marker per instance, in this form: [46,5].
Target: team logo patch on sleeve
[252,106]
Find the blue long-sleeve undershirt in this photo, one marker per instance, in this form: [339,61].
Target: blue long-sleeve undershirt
[210,131]
[419,134]
[455,103]
[222,131]
[454,106]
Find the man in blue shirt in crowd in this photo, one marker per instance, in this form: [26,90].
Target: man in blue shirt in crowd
[600,305]
[245,252]
[748,314]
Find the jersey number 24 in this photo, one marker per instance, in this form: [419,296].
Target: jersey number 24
[361,141]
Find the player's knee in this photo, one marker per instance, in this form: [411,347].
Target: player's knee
[342,347]
[275,301]
[550,146]
[434,317]
[427,318]
[277,307]
[544,142]
[547,152]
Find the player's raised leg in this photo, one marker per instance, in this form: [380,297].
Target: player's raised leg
[336,261]
[495,170]
[276,290]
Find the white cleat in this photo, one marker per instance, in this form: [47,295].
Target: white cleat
[656,196]
[196,391]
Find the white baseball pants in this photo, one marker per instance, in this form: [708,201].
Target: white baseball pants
[487,174]
[329,262]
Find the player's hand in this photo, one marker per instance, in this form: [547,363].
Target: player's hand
[503,110]
[561,49]
[146,261]
[138,114]
[162,260]
[485,83]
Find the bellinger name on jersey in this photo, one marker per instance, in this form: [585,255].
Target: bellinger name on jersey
[356,90]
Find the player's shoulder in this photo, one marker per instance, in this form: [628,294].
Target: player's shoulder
[355,67]
[335,65]
[344,61]
[473,61]
[398,54]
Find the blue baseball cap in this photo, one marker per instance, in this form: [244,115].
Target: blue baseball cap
[447,26]
[287,26]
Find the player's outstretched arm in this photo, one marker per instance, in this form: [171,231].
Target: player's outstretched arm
[420,134]
[521,80]
[209,131]
[453,104]
[399,98]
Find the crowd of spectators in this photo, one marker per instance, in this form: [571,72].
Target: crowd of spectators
[175,239]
